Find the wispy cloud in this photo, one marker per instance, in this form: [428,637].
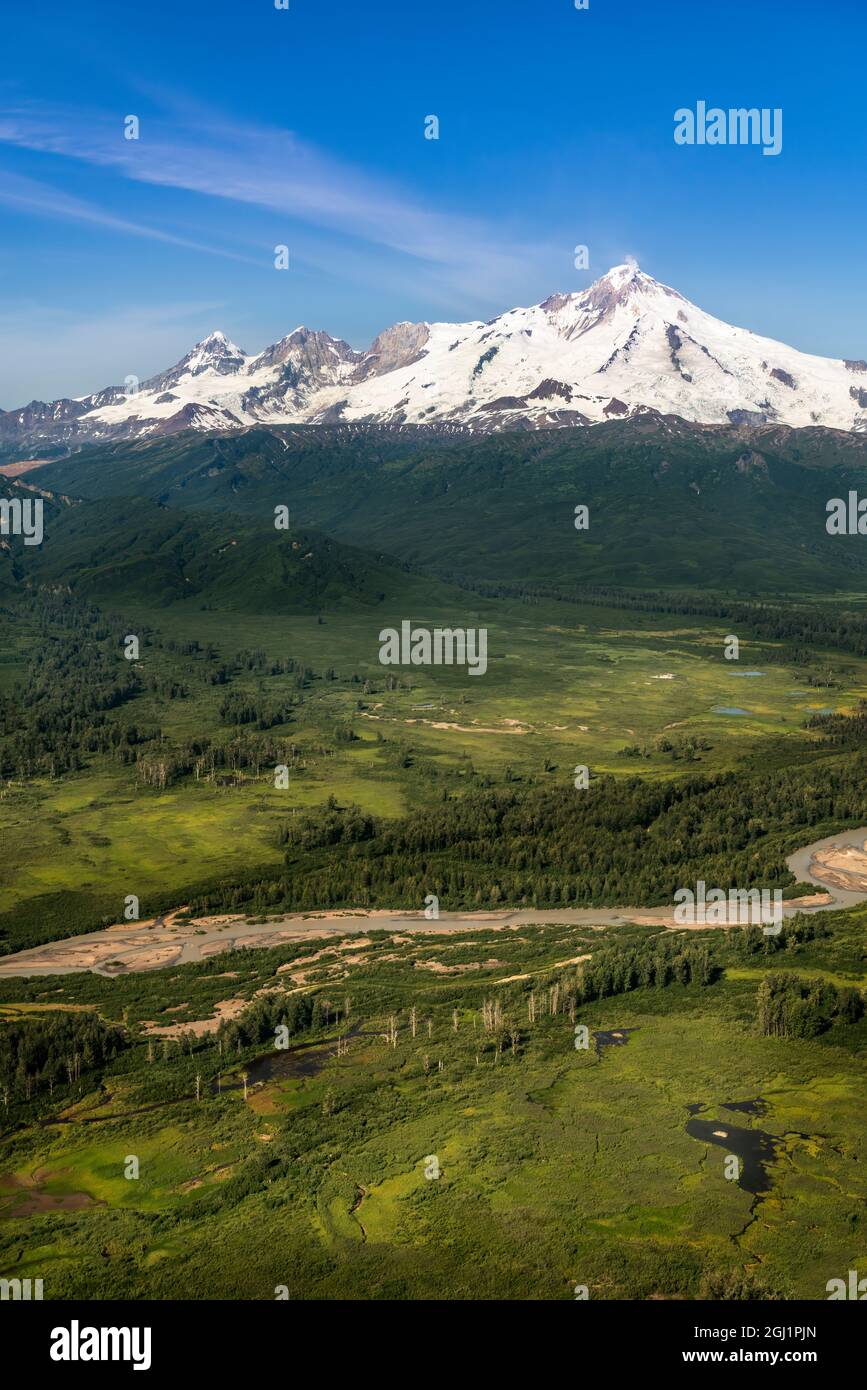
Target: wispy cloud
[16,190]
[273,169]
[350,228]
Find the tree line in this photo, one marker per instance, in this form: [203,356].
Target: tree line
[622,842]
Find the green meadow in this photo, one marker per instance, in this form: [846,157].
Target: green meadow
[519,1173]
[619,692]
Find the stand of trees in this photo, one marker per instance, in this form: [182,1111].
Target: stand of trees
[660,962]
[75,677]
[752,941]
[53,1050]
[298,1013]
[70,706]
[250,707]
[790,1007]
[842,730]
[161,764]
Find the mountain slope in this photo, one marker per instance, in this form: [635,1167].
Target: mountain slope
[134,551]
[719,507]
[625,345]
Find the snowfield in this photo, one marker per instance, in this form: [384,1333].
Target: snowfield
[626,344]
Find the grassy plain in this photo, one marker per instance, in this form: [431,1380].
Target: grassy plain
[565,685]
[557,1167]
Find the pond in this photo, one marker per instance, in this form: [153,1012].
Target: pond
[290,1064]
[616,1037]
[755,1149]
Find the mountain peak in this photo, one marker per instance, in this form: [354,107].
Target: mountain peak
[215,353]
[616,286]
[629,270]
[217,345]
[629,278]
[626,346]
[622,285]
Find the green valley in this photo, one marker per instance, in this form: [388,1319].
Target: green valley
[194,718]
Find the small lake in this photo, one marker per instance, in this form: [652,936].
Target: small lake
[285,1064]
[729,709]
[755,1149]
[617,1037]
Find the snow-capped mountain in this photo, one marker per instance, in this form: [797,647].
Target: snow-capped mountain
[625,345]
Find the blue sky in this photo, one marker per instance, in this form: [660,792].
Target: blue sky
[305,127]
